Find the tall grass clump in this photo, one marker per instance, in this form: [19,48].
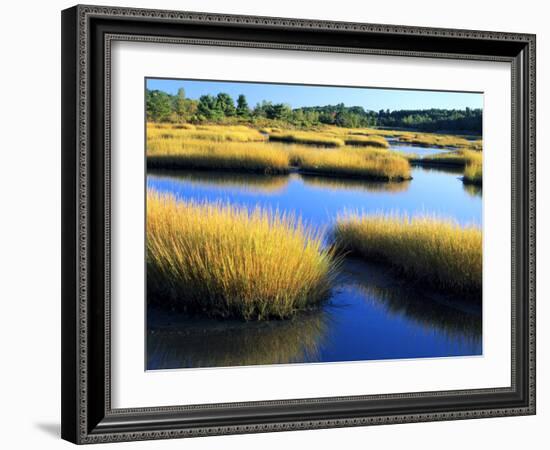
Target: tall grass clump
[435,252]
[214,133]
[204,155]
[307,138]
[433,140]
[371,164]
[367,141]
[473,173]
[340,131]
[225,261]
[458,158]
[476,145]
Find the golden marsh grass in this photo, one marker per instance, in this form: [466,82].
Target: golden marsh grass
[434,140]
[459,158]
[307,138]
[473,173]
[204,155]
[225,261]
[436,252]
[214,133]
[367,163]
[236,149]
[367,141]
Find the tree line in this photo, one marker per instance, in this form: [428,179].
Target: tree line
[222,108]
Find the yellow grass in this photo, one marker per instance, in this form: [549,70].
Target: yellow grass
[307,138]
[204,155]
[225,261]
[341,131]
[459,158]
[328,136]
[367,141]
[474,190]
[214,133]
[234,149]
[411,137]
[470,160]
[367,163]
[473,173]
[476,145]
[433,140]
[437,252]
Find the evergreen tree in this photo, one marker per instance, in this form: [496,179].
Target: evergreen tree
[242,106]
[225,104]
[181,104]
[159,106]
[208,107]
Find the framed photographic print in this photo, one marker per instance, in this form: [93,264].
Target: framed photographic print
[278,224]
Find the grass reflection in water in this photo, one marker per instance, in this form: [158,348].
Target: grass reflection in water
[459,317]
[249,182]
[180,342]
[356,184]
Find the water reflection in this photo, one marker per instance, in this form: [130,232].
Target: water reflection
[473,189]
[177,341]
[355,184]
[371,315]
[410,149]
[448,169]
[455,316]
[223,180]
[428,311]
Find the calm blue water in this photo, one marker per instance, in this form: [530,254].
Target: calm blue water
[415,149]
[318,200]
[371,315]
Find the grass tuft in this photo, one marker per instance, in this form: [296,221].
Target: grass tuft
[435,140]
[368,163]
[226,261]
[473,173]
[458,158]
[203,155]
[435,252]
[213,133]
[367,141]
[307,138]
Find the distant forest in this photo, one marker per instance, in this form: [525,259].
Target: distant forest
[222,108]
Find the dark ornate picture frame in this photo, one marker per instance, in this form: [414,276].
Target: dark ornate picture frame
[87,34]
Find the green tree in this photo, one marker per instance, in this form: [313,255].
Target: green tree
[181,104]
[209,108]
[158,105]
[281,111]
[242,106]
[225,103]
[263,109]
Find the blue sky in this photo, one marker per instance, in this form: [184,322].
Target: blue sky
[297,95]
